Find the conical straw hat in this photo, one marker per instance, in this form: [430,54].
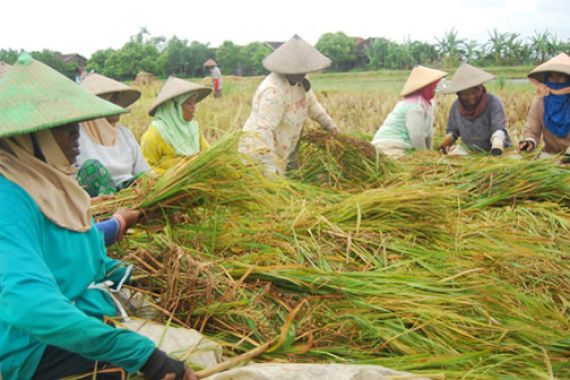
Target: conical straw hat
[101,85]
[420,77]
[34,96]
[465,77]
[4,67]
[559,64]
[210,62]
[296,56]
[174,87]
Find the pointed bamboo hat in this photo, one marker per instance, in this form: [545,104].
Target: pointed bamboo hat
[210,63]
[100,85]
[4,67]
[465,77]
[174,87]
[33,96]
[296,56]
[559,64]
[420,77]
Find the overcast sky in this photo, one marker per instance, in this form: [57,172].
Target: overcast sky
[75,26]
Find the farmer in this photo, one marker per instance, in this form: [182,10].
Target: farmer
[475,116]
[410,124]
[549,115]
[52,261]
[216,77]
[281,104]
[110,158]
[174,133]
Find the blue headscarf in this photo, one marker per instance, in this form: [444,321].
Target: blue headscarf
[557,110]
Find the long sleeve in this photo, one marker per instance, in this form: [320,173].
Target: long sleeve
[416,126]
[110,229]
[534,122]
[318,113]
[139,163]
[32,302]
[258,139]
[158,154]
[452,125]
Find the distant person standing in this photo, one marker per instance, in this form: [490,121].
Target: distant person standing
[216,77]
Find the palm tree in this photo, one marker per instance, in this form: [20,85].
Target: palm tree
[472,52]
[449,46]
[540,45]
[496,45]
[512,48]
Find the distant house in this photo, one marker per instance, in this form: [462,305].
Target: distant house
[79,61]
[273,44]
[362,47]
[4,67]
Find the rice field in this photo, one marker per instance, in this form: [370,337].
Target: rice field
[448,268]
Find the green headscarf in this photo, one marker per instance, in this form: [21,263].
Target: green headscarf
[182,135]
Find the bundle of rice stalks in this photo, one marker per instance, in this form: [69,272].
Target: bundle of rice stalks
[216,176]
[499,182]
[340,162]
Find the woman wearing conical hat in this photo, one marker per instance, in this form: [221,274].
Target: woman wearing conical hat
[549,115]
[110,158]
[52,260]
[475,116]
[410,124]
[281,104]
[174,133]
[216,77]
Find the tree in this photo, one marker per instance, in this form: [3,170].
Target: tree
[340,48]
[228,57]
[54,60]
[9,56]
[471,49]
[450,47]
[199,53]
[253,55]
[98,60]
[175,57]
[540,45]
[496,46]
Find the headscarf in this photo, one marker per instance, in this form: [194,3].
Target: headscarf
[428,92]
[100,130]
[182,135]
[423,97]
[557,110]
[473,112]
[51,184]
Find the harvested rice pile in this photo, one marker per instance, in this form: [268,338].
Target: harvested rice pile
[446,268]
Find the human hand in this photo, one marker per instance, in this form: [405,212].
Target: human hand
[130,216]
[188,375]
[526,146]
[496,152]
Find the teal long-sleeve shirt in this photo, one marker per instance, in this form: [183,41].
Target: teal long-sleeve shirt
[45,272]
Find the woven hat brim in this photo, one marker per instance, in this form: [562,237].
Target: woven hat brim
[466,77]
[175,87]
[125,98]
[421,77]
[34,97]
[296,56]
